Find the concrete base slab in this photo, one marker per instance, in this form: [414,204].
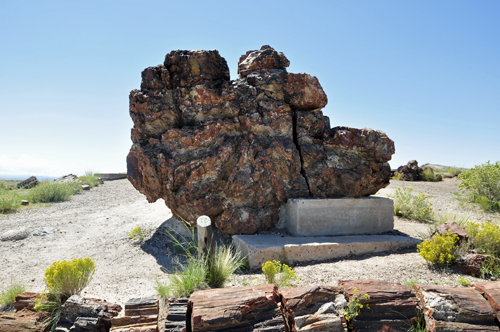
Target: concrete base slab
[338,216]
[262,248]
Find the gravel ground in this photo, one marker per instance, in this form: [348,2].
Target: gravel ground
[97,224]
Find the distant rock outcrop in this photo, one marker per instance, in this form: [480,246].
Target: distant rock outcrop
[238,150]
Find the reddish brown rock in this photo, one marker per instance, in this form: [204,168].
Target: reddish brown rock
[24,320]
[451,227]
[25,300]
[235,309]
[141,314]
[410,171]
[391,304]
[456,309]
[473,263]
[238,150]
[491,291]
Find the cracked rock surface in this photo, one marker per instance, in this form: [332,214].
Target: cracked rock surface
[238,150]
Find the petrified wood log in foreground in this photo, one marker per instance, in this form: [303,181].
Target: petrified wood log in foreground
[25,300]
[141,315]
[238,150]
[391,304]
[235,309]
[456,309]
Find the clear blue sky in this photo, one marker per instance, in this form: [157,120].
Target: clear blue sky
[425,72]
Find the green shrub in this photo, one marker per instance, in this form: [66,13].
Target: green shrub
[410,206]
[4,186]
[484,237]
[47,192]
[453,171]
[463,282]
[50,303]
[9,201]
[89,179]
[223,264]
[8,295]
[440,249]
[69,277]
[428,175]
[185,280]
[482,183]
[278,274]
[397,176]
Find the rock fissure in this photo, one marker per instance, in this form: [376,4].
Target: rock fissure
[238,150]
[296,142]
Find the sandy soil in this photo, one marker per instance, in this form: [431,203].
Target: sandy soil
[97,224]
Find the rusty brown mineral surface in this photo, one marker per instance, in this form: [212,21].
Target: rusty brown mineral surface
[238,150]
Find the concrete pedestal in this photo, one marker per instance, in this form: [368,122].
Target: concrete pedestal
[338,216]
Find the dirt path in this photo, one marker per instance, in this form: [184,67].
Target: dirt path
[97,224]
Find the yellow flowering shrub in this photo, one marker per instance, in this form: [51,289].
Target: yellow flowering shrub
[439,249]
[354,307]
[137,233]
[484,237]
[69,277]
[279,274]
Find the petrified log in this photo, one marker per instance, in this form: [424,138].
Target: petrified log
[25,300]
[175,320]
[30,182]
[24,320]
[235,309]
[236,151]
[491,291]
[312,308]
[391,304]
[77,306]
[456,309]
[141,315]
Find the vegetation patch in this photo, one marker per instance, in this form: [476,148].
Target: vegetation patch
[408,205]
[429,175]
[51,192]
[8,295]
[482,185]
[440,249]
[278,274]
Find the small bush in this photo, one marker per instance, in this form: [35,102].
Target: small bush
[90,179]
[354,307]
[278,274]
[439,249]
[453,171]
[482,183]
[4,186]
[484,237]
[412,282]
[47,192]
[137,234]
[50,303]
[428,175]
[223,264]
[463,282]
[69,277]
[410,206]
[397,177]
[185,280]
[9,202]
[8,295]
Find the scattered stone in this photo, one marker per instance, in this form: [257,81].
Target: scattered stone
[88,324]
[453,228]
[30,182]
[14,235]
[472,263]
[456,309]
[236,151]
[43,231]
[67,178]
[100,180]
[25,202]
[88,314]
[410,171]
[390,304]
[25,300]
[85,187]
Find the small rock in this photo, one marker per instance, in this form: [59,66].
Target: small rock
[453,228]
[14,235]
[25,202]
[30,182]
[67,178]
[85,187]
[100,180]
[44,231]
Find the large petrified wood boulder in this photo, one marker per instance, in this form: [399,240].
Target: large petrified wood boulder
[238,150]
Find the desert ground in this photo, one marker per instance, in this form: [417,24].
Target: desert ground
[97,224]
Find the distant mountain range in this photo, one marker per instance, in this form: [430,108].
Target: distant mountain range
[24,177]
